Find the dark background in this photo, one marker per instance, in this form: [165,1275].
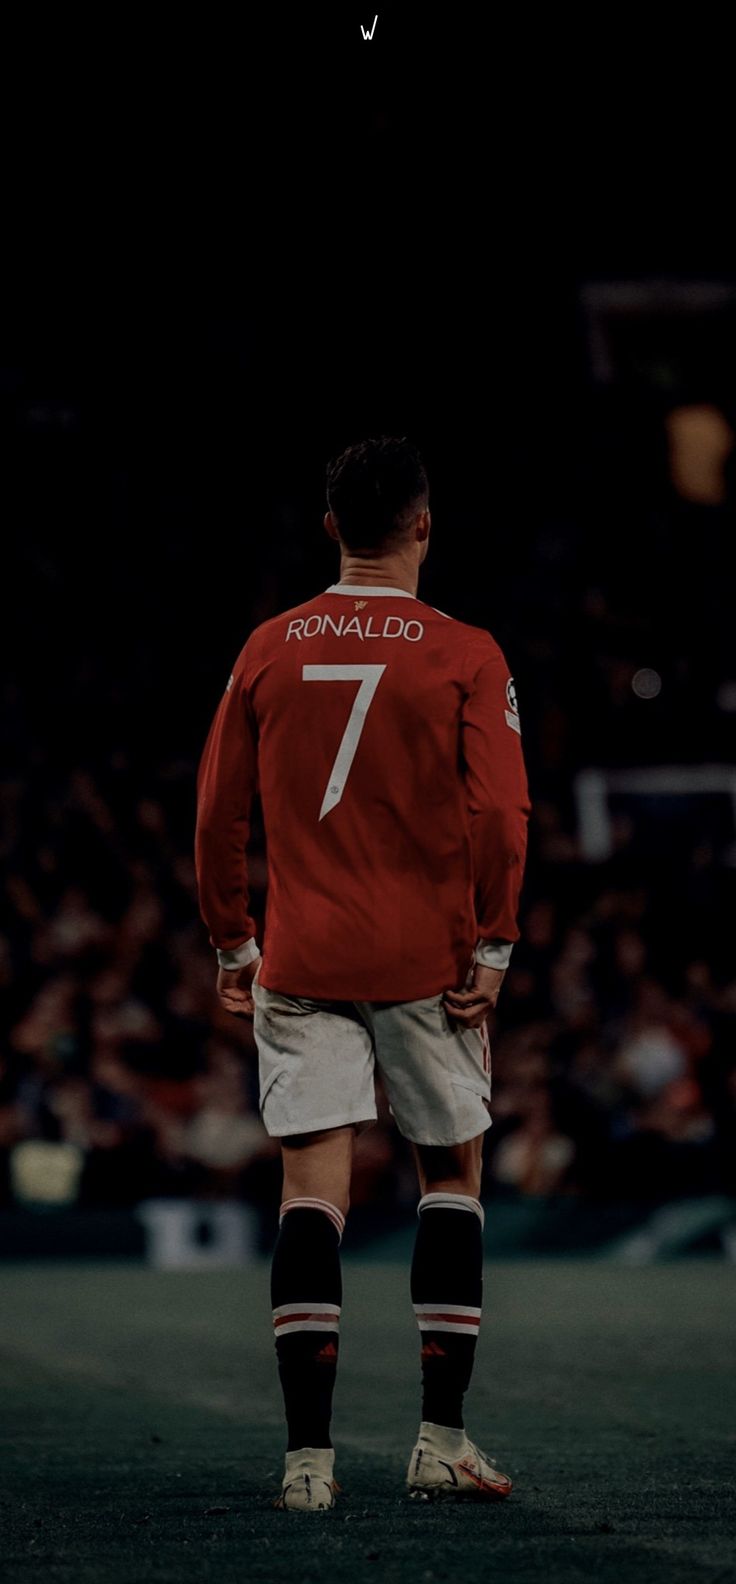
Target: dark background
[227,258]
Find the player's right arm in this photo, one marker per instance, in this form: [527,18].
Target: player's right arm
[498,804]
[226,784]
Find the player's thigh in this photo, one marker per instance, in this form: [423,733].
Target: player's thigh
[436,1074]
[315,1064]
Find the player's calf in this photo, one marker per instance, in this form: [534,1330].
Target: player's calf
[306,1294]
[446,1289]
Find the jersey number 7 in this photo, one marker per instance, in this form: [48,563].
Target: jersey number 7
[369,677]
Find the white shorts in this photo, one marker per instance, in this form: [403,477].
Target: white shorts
[317,1061]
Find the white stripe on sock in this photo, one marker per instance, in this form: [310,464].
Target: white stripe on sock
[448,1309]
[306,1325]
[306,1308]
[449,1325]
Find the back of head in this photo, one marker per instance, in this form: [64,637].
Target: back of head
[374,490]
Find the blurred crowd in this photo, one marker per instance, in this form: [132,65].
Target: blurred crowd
[610,591]
[614,1050]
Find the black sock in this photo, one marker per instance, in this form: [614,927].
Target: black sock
[446,1290]
[306,1294]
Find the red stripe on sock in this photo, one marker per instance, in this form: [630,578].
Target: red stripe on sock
[306,1314]
[450,1319]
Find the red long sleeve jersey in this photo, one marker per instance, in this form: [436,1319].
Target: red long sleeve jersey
[383,737]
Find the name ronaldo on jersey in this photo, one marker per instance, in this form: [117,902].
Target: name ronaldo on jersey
[370,627]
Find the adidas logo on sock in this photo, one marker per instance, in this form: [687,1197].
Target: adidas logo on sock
[433,1350]
[327,1354]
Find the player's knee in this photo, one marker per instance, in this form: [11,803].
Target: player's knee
[319,1165]
[318,1192]
[465,1182]
[455,1168]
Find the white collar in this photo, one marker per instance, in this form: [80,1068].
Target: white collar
[363,588]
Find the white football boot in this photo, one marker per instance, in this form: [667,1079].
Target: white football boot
[445,1465]
[308,1484]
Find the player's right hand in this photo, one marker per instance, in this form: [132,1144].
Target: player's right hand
[234,988]
[471,1006]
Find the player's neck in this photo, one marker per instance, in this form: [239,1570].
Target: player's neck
[395,571]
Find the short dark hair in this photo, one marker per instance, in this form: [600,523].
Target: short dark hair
[372,488]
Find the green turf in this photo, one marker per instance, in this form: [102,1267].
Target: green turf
[141,1432]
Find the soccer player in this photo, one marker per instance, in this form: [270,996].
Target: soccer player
[383,737]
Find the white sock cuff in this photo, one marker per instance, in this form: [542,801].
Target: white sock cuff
[451,1201]
[331,1211]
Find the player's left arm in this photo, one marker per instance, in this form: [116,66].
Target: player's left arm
[498,804]
[226,785]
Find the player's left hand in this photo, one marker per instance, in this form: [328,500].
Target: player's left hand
[234,988]
[471,1006]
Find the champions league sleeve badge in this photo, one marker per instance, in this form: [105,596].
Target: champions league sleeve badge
[512,713]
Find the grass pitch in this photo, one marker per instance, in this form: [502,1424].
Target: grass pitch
[141,1430]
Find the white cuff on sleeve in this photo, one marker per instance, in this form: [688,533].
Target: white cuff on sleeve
[240,957]
[494,954]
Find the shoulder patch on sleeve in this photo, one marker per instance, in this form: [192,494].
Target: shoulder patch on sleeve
[512,713]
[230,681]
